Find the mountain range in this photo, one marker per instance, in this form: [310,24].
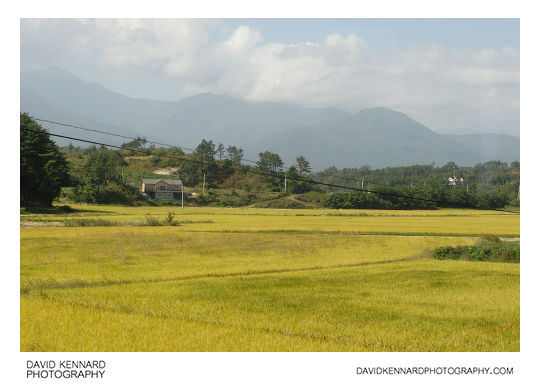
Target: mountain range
[378,137]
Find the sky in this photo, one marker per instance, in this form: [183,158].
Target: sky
[452,75]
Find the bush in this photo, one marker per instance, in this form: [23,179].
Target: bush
[46,210]
[111,192]
[205,199]
[492,200]
[281,203]
[147,221]
[169,220]
[489,248]
[312,197]
[343,200]
[490,238]
[167,202]
[150,221]
[87,222]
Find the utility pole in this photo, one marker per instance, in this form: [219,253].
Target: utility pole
[285,184]
[203,182]
[362,183]
[182,187]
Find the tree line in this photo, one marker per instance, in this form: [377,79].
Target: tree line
[96,174]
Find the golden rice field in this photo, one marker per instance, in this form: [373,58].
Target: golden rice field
[265,280]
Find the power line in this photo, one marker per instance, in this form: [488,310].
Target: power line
[110,133]
[121,136]
[180,147]
[272,175]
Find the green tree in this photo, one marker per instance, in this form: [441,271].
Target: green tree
[303,166]
[204,156]
[101,181]
[102,167]
[206,151]
[43,167]
[220,151]
[235,155]
[269,161]
[136,143]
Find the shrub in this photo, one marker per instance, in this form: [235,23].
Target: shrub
[281,203]
[87,222]
[488,248]
[151,221]
[169,220]
[312,197]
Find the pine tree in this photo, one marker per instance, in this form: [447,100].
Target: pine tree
[43,167]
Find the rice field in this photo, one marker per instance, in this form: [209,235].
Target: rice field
[265,280]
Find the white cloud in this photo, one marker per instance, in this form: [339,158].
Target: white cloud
[445,89]
[243,38]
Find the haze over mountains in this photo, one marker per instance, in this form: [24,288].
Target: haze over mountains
[378,137]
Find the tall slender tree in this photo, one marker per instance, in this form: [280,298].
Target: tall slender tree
[43,167]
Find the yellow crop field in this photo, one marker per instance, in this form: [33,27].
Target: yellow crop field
[265,280]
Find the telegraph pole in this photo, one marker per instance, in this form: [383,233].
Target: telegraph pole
[203,182]
[182,187]
[285,184]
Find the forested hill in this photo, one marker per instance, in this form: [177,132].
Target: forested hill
[104,176]
[484,177]
[492,184]
[382,137]
[379,137]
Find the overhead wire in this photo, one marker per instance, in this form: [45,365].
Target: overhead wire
[122,136]
[180,147]
[262,173]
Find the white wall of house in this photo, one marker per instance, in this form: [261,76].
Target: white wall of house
[164,195]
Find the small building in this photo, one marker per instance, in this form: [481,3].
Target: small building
[162,188]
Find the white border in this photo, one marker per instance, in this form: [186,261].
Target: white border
[273,367]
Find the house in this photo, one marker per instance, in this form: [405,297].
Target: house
[162,188]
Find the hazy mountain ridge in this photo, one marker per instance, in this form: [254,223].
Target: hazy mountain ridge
[40,108]
[184,122]
[378,137]
[505,146]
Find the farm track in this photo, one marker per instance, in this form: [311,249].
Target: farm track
[506,237]
[83,284]
[366,233]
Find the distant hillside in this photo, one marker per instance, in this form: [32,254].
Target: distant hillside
[39,107]
[325,136]
[184,123]
[490,146]
[380,137]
